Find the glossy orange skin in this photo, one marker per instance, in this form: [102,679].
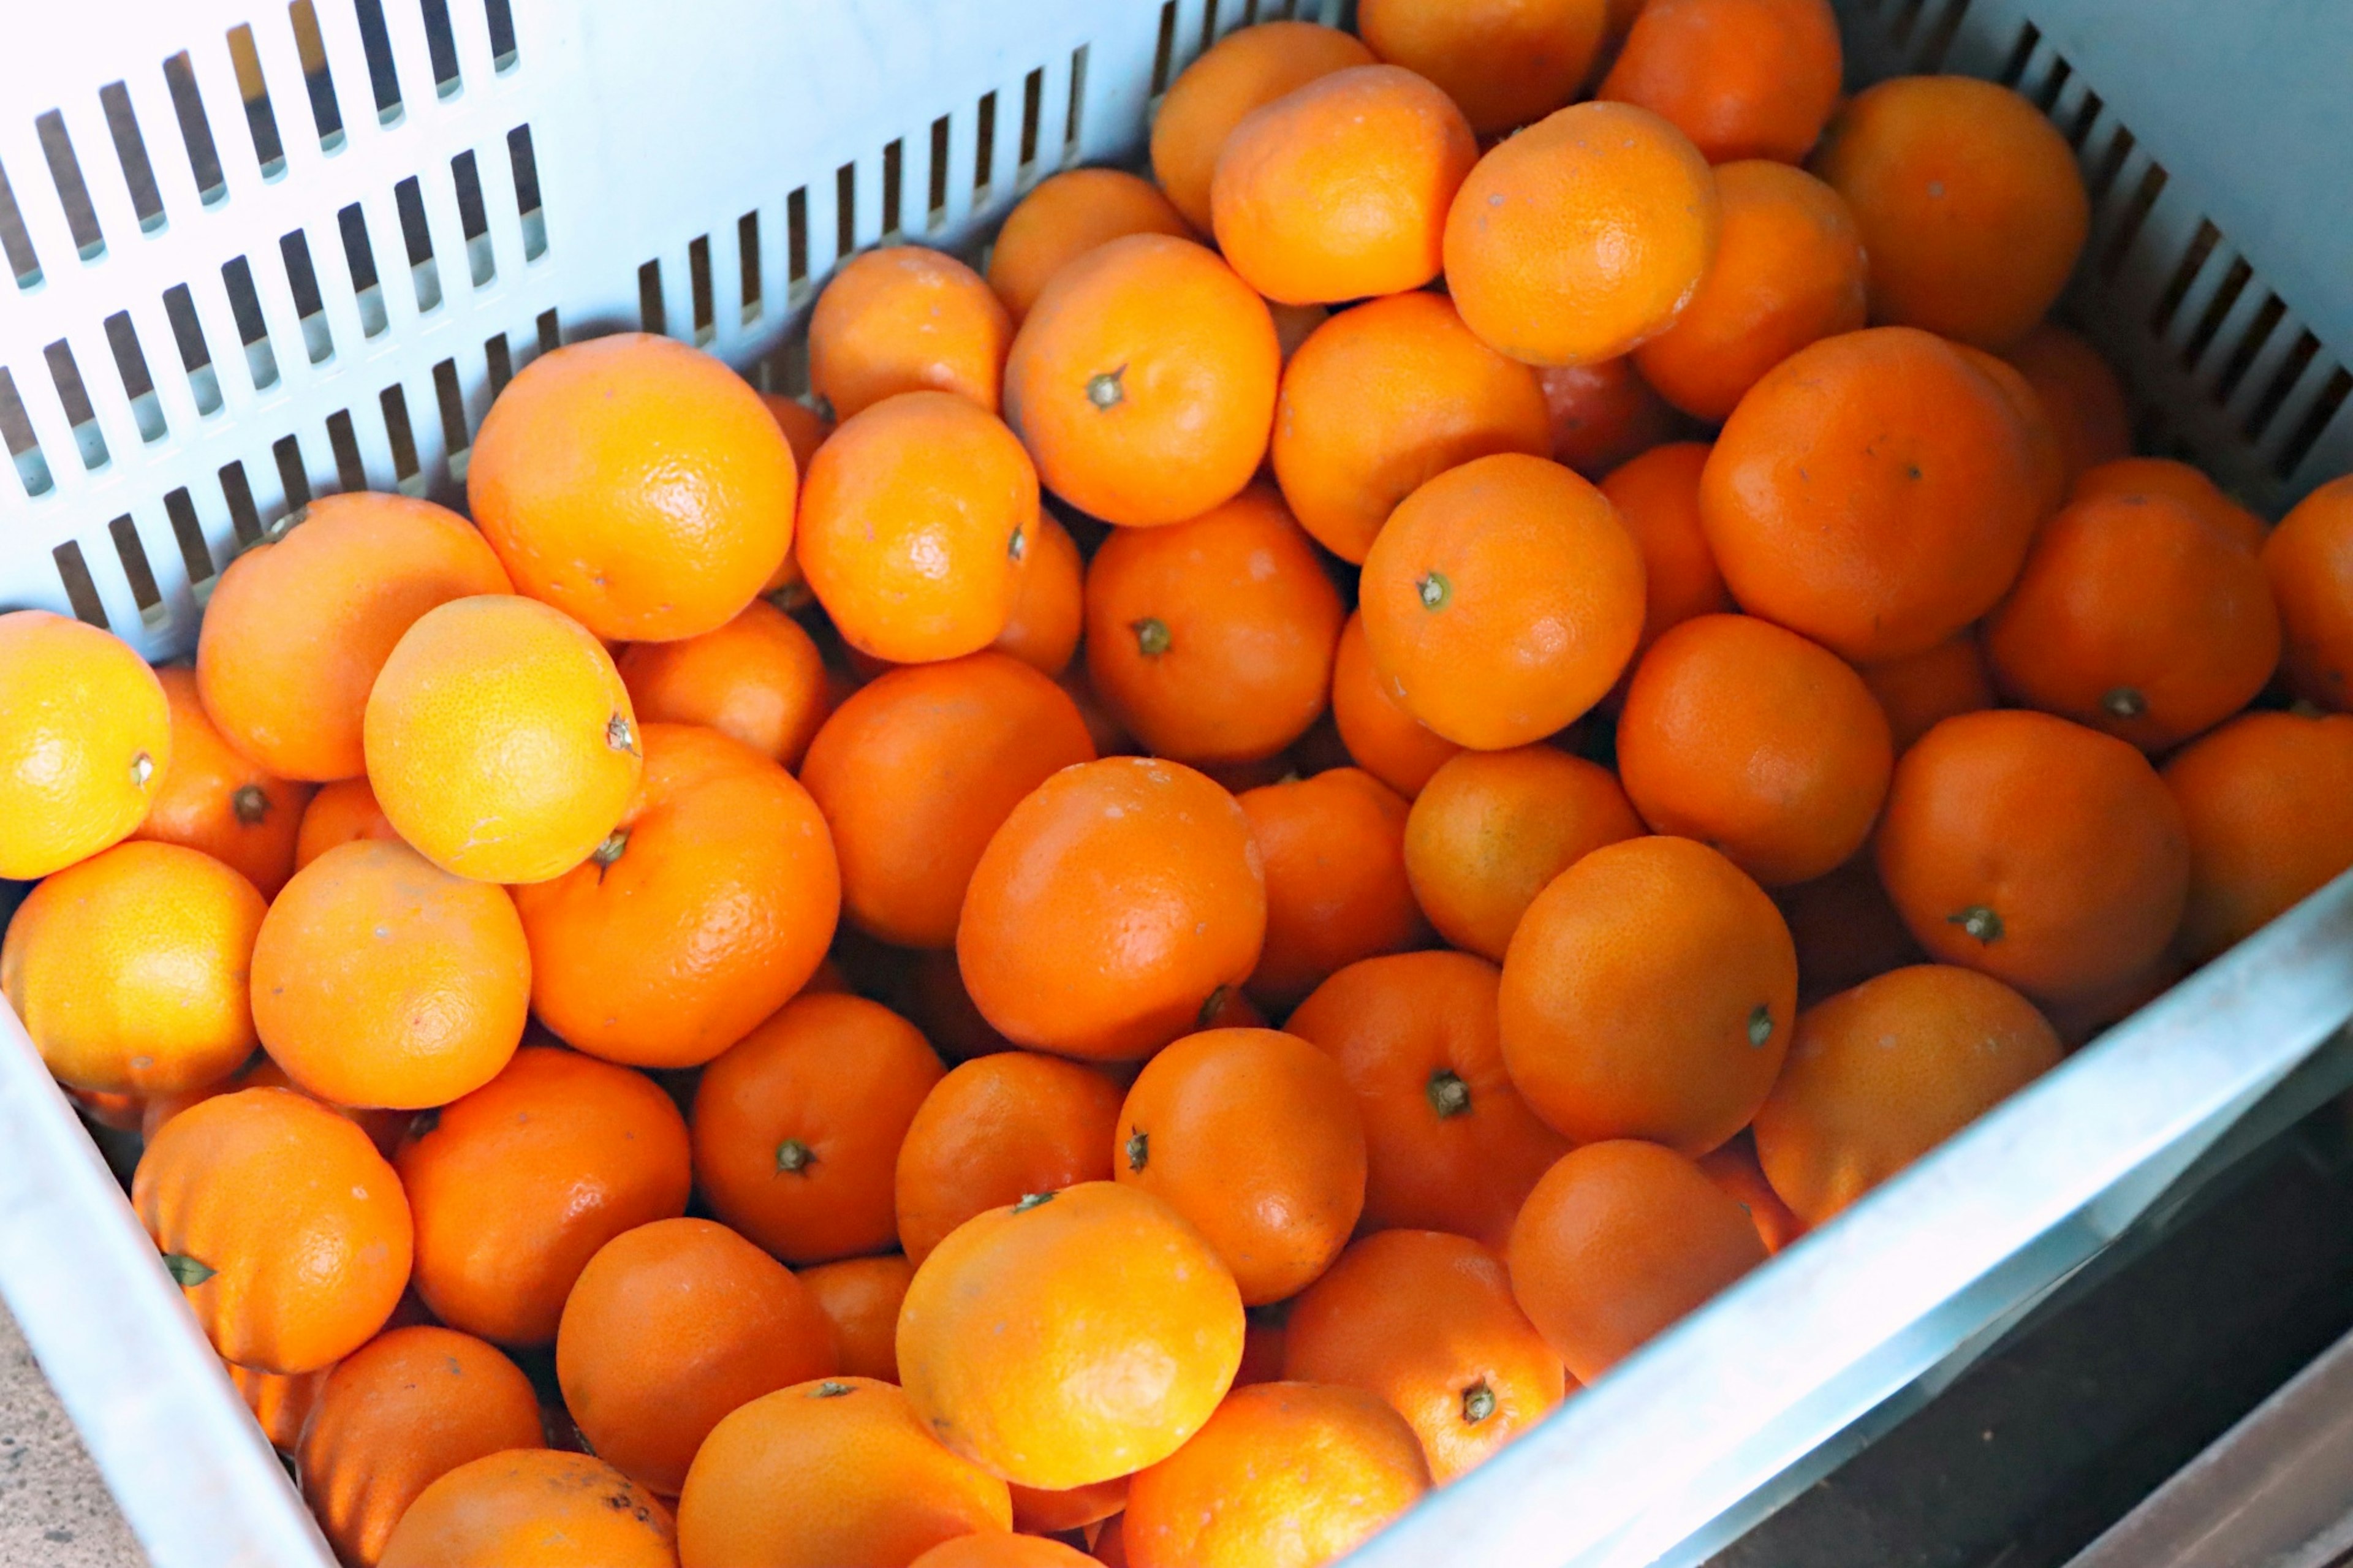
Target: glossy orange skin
[1788,271]
[1583,236]
[304,1227]
[1657,497]
[2265,802]
[381,980]
[1617,1242]
[130,970]
[518,1185]
[1110,909]
[298,627]
[1052,1513]
[995,1130]
[835,1471]
[2080,393]
[1144,380]
[913,524]
[281,1404]
[1880,1075]
[1064,216]
[1845,928]
[341,812]
[1756,742]
[671,1327]
[1286,1475]
[1383,398]
[1648,993]
[797,1125]
[1255,1138]
[1249,67]
[1338,190]
[1505,62]
[1072,1339]
[1211,640]
[211,798]
[904,319]
[1380,736]
[1426,1320]
[1603,415]
[85,741]
[1048,605]
[2135,616]
[1922,690]
[533,1508]
[759,680]
[1969,203]
[397,1415]
[1502,601]
[1450,1144]
[991,1549]
[2065,836]
[636,484]
[2175,480]
[1743,78]
[861,1297]
[916,771]
[1815,516]
[1337,892]
[1733,1168]
[2309,560]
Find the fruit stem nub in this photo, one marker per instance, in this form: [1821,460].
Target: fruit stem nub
[1138,1149]
[1032,1200]
[1151,636]
[186,1271]
[793,1156]
[1103,389]
[1478,1403]
[142,768]
[621,734]
[610,850]
[250,803]
[1760,1025]
[1978,921]
[1449,1094]
[2124,702]
[1433,587]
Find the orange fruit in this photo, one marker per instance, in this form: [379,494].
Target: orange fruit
[797,1125]
[1385,397]
[2135,616]
[1048,601]
[1111,909]
[1338,189]
[1262,1349]
[1449,1142]
[1846,929]
[1603,415]
[1734,1169]
[1143,381]
[995,1129]
[1426,1322]
[1648,993]
[1502,600]
[516,1186]
[283,1228]
[501,742]
[1921,689]
[991,1549]
[1064,216]
[212,799]
[1788,271]
[1070,1338]
[281,1405]
[1619,1240]
[385,1127]
[1246,68]
[1211,640]
[1757,742]
[918,768]
[342,812]
[2309,560]
[2041,853]
[298,627]
[904,319]
[533,1508]
[380,980]
[1109,1547]
[1054,1513]
[913,523]
[1505,62]
[130,970]
[1969,203]
[1380,736]
[1583,236]
[1880,1075]
[805,431]
[1743,78]
[1286,1475]
[2046,456]
[861,1297]
[671,1327]
[1255,1138]
[397,1415]
[85,741]
[1657,497]
[1333,847]
[2269,818]
[758,679]
[2175,480]
[1873,492]
[2080,393]
[1490,829]
[638,485]
[836,1471]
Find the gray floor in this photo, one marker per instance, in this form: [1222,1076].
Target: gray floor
[54,1510]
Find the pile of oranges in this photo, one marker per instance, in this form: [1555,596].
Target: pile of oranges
[682,1021]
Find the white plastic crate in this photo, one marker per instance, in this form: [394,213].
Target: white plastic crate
[261,253]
